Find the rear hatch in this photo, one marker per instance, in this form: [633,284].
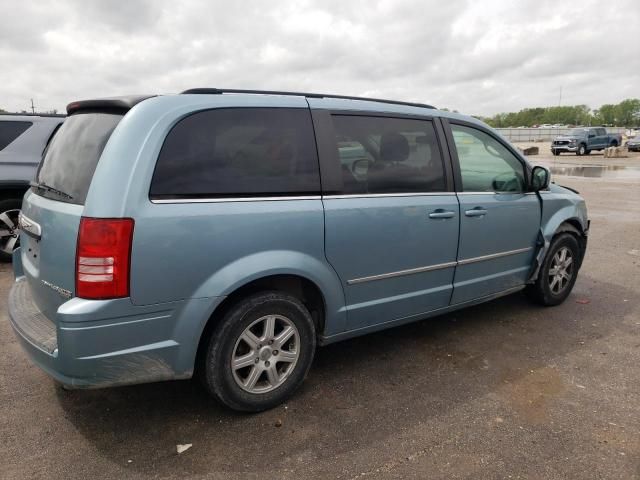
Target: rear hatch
[53,207]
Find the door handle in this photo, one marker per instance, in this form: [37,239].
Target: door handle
[476,212]
[440,213]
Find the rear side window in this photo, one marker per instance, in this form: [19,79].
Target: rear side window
[388,155]
[238,152]
[72,156]
[11,130]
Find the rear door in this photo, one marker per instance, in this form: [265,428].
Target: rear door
[603,138]
[499,220]
[391,216]
[54,209]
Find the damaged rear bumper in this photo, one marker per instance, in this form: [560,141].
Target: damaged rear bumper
[103,343]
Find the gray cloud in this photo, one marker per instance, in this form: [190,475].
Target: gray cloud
[479,57]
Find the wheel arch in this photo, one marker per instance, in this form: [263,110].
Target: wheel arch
[299,286]
[561,222]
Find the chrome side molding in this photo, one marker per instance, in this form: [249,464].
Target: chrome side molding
[438,266]
[401,273]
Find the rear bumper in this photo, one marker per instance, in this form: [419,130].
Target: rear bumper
[93,344]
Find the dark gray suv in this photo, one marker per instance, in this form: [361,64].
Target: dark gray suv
[23,138]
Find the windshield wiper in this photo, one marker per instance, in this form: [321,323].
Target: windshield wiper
[48,188]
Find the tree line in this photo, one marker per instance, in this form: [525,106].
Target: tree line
[624,114]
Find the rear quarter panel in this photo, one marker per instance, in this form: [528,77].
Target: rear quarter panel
[205,250]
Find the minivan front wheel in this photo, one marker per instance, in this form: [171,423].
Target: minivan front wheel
[9,232]
[260,352]
[558,272]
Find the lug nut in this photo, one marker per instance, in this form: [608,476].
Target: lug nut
[275,352]
[270,342]
[257,360]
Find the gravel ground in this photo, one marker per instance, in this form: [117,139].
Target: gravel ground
[501,390]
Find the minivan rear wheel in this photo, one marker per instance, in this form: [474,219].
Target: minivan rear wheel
[9,232]
[260,352]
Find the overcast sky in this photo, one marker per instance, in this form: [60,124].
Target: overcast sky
[479,57]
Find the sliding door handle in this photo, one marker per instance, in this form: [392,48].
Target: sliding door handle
[440,213]
[476,212]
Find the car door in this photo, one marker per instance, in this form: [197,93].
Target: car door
[499,220]
[391,216]
[603,138]
[594,138]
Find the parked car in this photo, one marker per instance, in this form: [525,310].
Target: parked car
[633,144]
[22,140]
[582,141]
[219,232]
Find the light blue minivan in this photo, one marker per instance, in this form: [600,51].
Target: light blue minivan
[229,232]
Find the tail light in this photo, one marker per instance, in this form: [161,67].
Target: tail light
[102,257]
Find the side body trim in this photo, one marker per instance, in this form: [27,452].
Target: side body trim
[439,266]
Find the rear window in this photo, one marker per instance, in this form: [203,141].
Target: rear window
[11,130]
[238,152]
[73,154]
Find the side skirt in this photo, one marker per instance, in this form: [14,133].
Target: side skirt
[322,340]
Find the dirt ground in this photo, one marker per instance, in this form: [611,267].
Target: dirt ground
[501,390]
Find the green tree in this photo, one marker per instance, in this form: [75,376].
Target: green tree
[628,113]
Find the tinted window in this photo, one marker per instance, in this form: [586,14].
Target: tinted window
[238,152]
[10,130]
[485,164]
[388,155]
[73,154]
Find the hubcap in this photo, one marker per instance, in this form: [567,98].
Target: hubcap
[9,233]
[561,270]
[265,354]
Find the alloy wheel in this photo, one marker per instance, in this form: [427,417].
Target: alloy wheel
[265,354]
[9,233]
[561,270]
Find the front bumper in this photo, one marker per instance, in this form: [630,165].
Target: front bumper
[102,343]
[564,148]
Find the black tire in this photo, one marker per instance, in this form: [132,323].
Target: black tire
[614,143]
[541,291]
[582,148]
[555,153]
[587,151]
[217,373]
[10,206]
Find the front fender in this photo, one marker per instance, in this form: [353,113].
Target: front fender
[252,267]
[558,208]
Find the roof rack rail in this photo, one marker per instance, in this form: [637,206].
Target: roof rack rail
[214,91]
[27,114]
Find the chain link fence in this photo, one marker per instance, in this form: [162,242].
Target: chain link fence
[542,134]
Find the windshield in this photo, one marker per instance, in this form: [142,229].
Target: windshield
[73,154]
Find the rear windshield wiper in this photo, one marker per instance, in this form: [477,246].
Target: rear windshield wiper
[44,186]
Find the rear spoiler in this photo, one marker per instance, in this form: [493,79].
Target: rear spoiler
[119,104]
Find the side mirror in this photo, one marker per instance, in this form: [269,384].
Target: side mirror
[540,178]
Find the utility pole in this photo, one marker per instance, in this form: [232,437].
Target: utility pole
[560,99]
[33,109]
[559,103]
